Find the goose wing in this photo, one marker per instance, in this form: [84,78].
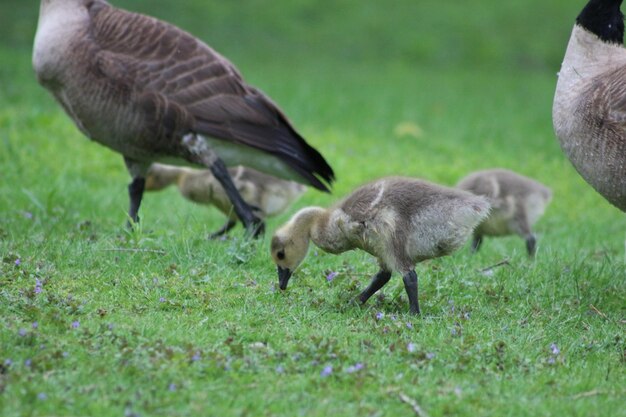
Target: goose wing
[183,83]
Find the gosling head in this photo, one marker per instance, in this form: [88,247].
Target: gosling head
[288,251]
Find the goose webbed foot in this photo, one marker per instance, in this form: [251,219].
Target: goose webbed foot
[227,227]
[135,194]
[378,280]
[410,285]
[254,225]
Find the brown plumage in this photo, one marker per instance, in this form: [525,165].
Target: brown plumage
[400,221]
[153,92]
[517,202]
[589,110]
[267,195]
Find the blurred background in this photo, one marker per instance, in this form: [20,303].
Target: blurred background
[522,35]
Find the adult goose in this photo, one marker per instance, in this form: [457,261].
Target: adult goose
[401,221]
[589,110]
[152,92]
[268,195]
[517,202]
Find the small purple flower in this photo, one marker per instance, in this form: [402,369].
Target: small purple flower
[28,214]
[22,332]
[8,362]
[355,368]
[280,369]
[196,357]
[155,281]
[38,286]
[65,354]
[409,325]
[35,325]
[554,349]
[110,326]
[172,387]
[380,315]
[551,361]
[453,332]
[411,347]
[162,299]
[75,324]
[18,262]
[42,396]
[430,356]
[394,317]
[326,371]
[28,362]
[331,276]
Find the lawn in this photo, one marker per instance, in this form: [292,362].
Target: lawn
[100,321]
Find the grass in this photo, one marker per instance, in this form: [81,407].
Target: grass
[163,322]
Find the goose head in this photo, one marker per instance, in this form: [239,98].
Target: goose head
[603,18]
[290,243]
[288,252]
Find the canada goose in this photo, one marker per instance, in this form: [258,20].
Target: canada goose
[267,195]
[152,92]
[589,110]
[517,202]
[400,221]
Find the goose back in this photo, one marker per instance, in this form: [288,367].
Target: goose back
[406,220]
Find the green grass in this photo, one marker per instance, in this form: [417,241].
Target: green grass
[171,324]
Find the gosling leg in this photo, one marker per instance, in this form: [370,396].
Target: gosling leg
[410,285]
[378,280]
[531,245]
[230,223]
[476,242]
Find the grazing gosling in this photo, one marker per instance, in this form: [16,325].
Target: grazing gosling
[400,221]
[268,195]
[517,202]
[589,109]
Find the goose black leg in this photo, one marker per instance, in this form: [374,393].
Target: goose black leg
[253,224]
[378,280]
[230,223]
[135,194]
[476,242]
[410,285]
[531,245]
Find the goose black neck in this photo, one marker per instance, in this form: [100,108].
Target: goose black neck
[603,18]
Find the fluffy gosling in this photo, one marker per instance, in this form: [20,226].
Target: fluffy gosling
[517,202]
[268,195]
[400,221]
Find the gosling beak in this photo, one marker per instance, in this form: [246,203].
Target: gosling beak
[283,277]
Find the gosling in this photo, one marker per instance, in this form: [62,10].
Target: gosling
[268,195]
[517,202]
[400,221]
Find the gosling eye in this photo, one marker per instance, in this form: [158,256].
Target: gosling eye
[280,254]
